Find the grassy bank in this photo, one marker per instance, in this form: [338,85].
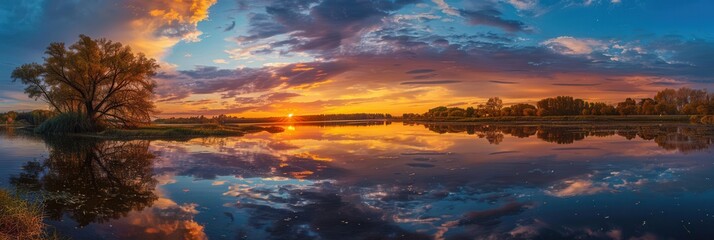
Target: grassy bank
[564,119]
[20,219]
[181,132]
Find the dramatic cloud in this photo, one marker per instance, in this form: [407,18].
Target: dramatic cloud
[370,55]
[492,17]
[322,27]
[151,27]
[208,80]
[162,24]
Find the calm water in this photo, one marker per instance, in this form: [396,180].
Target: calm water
[377,181]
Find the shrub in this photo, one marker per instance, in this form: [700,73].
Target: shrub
[20,219]
[65,123]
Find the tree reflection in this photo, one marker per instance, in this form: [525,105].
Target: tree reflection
[90,180]
[684,138]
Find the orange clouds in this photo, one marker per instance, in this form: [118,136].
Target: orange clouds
[159,25]
[388,85]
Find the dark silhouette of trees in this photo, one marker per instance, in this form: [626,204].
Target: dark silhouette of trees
[521,109]
[104,81]
[493,106]
[598,108]
[646,106]
[470,111]
[560,106]
[683,101]
[628,107]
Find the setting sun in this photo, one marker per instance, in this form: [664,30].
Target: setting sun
[290,115]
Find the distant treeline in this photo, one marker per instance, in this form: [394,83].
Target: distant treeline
[35,117]
[683,101]
[224,119]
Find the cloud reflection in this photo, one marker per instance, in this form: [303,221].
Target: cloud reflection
[433,181]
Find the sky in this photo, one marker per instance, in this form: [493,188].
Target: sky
[274,57]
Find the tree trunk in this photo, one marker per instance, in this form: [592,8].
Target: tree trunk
[91,118]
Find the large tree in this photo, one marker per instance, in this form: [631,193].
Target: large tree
[101,80]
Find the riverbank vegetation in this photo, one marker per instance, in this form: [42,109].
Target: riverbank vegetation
[35,117]
[185,132]
[181,132]
[21,219]
[102,82]
[682,102]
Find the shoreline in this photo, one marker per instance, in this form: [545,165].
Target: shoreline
[176,133]
[185,132]
[562,119]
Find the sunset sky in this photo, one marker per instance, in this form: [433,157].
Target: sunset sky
[271,58]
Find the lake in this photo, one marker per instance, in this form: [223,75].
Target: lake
[377,180]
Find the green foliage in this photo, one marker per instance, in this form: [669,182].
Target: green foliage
[65,123]
[36,117]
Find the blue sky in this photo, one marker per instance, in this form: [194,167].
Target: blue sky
[260,58]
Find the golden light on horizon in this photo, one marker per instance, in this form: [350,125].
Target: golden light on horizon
[290,115]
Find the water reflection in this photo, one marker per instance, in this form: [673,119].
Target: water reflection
[401,182]
[92,181]
[671,137]
[391,181]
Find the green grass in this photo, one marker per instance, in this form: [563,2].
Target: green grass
[182,132]
[20,219]
[64,123]
[565,119]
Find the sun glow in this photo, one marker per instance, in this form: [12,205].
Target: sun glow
[290,115]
